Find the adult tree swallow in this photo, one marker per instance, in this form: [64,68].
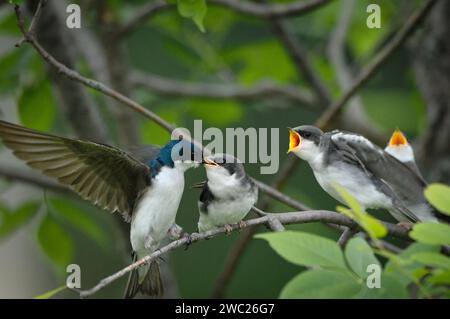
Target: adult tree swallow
[146,189]
[228,194]
[371,175]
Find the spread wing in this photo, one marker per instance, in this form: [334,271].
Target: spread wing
[102,174]
[394,178]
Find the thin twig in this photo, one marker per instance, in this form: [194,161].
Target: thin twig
[125,100]
[14,174]
[74,75]
[33,23]
[254,9]
[346,236]
[283,218]
[413,22]
[300,58]
[261,90]
[323,122]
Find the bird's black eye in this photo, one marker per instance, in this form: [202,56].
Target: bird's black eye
[306,134]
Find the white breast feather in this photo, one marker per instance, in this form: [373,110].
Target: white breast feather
[157,210]
[232,204]
[355,181]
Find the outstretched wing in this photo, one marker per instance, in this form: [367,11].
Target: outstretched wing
[102,174]
[394,178]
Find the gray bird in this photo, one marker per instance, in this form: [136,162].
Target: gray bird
[371,175]
[228,194]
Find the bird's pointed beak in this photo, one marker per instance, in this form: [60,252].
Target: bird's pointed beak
[398,138]
[209,163]
[295,140]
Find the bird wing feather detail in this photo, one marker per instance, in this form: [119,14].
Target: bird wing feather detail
[390,173]
[102,174]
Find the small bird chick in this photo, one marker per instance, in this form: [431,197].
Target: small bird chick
[399,148]
[227,195]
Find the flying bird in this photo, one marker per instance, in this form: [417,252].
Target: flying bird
[370,174]
[145,188]
[228,194]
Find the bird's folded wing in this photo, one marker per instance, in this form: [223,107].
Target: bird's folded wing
[394,178]
[102,174]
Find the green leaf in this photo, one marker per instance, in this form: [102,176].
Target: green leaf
[11,221]
[37,107]
[306,249]
[391,288]
[18,2]
[431,233]
[440,277]
[432,259]
[322,284]
[359,255]
[403,267]
[193,9]
[55,242]
[51,293]
[371,225]
[78,218]
[439,196]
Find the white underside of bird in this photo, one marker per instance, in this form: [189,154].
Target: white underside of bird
[364,191]
[355,181]
[231,204]
[156,211]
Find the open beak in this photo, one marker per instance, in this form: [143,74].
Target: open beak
[398,139]
[295,140]
[210,163]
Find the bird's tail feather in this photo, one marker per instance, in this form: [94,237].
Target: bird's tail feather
[149,282]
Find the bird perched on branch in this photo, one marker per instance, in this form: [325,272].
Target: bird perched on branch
[370,174]
[146,189]
[228,194]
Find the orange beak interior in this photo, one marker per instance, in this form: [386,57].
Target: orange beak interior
[295,140]
[210,163]
[398,139]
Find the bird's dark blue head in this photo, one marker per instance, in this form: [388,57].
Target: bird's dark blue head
[175,152]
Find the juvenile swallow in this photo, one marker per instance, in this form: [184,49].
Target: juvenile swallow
[399,148]
[371,175]
[146,189]
[228,194]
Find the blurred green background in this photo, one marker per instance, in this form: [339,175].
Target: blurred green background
[41,232]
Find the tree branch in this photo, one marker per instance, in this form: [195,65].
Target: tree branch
[346,235]
[253,9]
[98,86]
[324,122]
[262,90]
[115,57]
[413,22]
[79,107]
[354,115]
[283,218]
[75,76]
[300,58]
[10,173]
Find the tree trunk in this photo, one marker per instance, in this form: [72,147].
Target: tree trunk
[431,52]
